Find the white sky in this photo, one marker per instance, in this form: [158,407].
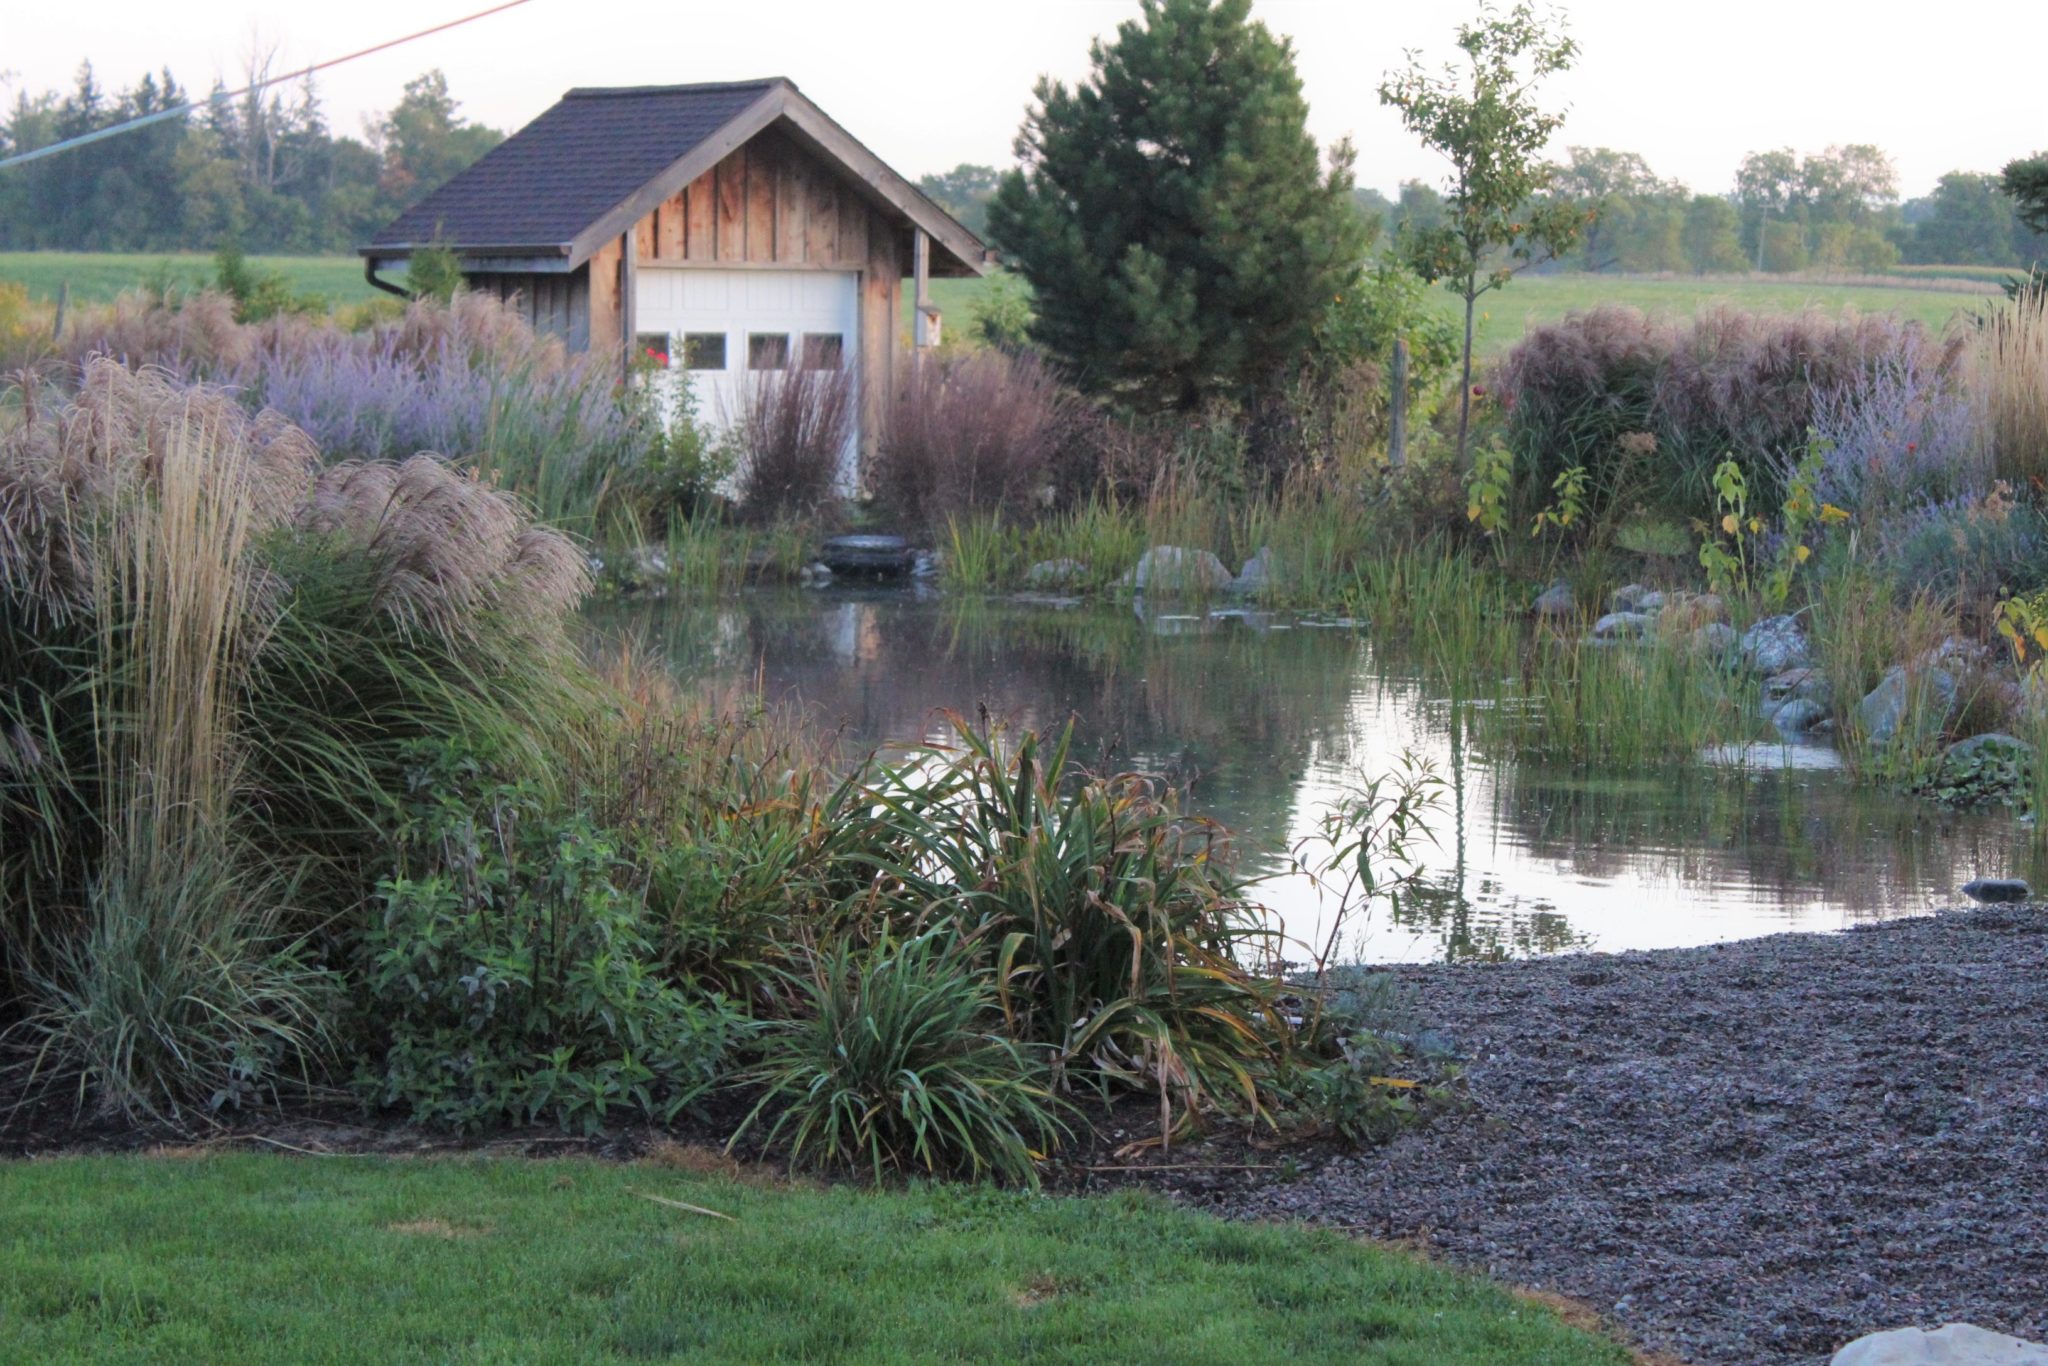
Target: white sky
[930,83]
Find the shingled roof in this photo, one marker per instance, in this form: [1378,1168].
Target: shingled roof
[538,189]
[601,158]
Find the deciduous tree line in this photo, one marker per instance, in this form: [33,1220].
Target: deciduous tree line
[264,171]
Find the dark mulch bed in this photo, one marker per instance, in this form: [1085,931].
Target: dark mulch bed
[1751,1152]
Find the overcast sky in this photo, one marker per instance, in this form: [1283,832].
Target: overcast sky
[930,83]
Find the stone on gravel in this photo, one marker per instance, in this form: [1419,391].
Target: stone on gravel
[1996,891]
[1177,569]
[1555,602]
[1621,626]
[1884,710]
[1952,1344]
[1774,645]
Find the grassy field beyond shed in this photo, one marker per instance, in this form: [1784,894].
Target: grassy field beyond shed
[343,1259]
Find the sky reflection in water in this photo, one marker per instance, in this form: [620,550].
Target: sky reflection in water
[1267,720]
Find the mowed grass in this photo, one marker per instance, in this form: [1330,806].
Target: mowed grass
[253,1258]
[96,276]
[1533,300]
[1505,316]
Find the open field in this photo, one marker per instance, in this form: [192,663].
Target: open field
[245,1258]
[1506,315]
[95,276]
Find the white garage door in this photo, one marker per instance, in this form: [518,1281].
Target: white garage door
[723,325]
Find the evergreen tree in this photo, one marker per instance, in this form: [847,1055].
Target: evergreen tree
[1180,234]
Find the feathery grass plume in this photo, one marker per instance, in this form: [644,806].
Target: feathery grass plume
[792,430]
[970,433]
[2008,368]
[160,983]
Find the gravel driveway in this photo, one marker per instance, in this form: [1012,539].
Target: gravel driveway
[1750,1152]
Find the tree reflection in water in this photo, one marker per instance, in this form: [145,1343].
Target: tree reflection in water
[1262,720]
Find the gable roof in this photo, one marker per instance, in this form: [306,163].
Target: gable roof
[601,158]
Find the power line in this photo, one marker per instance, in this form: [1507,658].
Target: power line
[223,96]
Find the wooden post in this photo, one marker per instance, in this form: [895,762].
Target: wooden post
[1397,411]
[921,258]
[629,321]
[63,307]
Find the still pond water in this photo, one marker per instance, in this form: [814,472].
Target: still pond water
[1266,719]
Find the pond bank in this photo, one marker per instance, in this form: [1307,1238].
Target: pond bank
[1749,1152]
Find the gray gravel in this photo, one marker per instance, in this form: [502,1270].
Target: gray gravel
[1751,1152]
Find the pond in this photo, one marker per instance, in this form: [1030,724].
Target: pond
[1264,720]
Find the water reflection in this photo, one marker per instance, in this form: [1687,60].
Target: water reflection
[1266,720]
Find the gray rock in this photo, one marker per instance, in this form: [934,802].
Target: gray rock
[1621,626]
[1628,598]
[1176,569]
[1055,574]
[1798,716]
[1883,712]
[1993,890]
[1714,638]
[1952,1344]
[1996,741]
[1257,574]
[814,575]
[1957,653]
[924,564]
[1803,682]
[1652,602]
[1774,645]
[1555,603]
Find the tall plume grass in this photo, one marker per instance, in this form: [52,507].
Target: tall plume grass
[213,652]
[2009,370]
[972,433]
[793,432]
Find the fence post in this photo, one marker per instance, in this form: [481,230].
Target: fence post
[63,307]
[1397,411]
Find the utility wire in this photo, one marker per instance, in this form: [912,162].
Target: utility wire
[224,96]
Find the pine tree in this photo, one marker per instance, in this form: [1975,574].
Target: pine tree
[1172,215]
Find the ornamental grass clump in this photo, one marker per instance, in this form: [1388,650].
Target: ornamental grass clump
[1118,934]
[468,379]
[2009,371]
[970,434]
[1727,385]
[895,1059]
[213,654]
[791,435]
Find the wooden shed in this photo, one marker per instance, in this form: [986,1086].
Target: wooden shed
[728,228]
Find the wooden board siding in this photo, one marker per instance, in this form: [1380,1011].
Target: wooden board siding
[768,203]
[553,305]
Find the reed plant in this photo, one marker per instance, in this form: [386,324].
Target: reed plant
[2008,369]
[1617,705]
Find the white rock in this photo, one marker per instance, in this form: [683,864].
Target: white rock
[1953,1344]
[1172,568]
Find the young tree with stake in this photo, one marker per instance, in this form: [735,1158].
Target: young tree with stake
[1484,118]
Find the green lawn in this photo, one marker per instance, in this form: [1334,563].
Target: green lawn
[1531,300]
[239,1258]
[96,276]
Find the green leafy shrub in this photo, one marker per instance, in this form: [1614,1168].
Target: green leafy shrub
[509,977]
[1118,934]
[895,1059]
[1973,549]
